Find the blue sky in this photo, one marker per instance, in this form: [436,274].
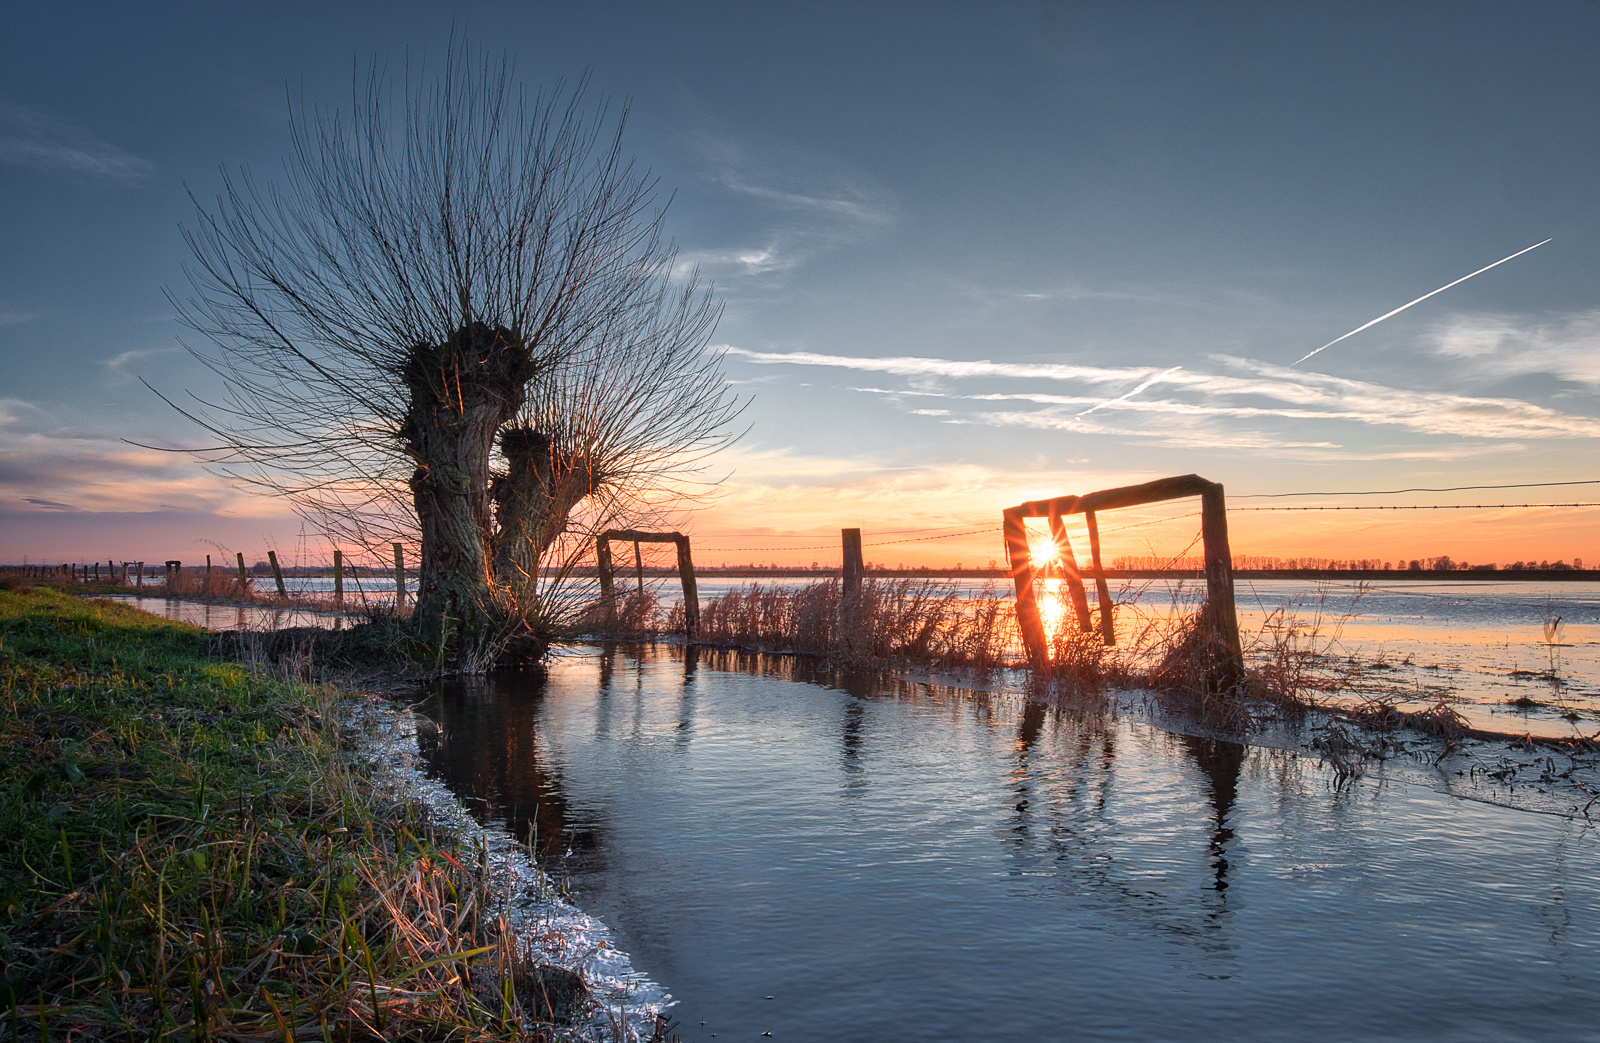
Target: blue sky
[1084,196]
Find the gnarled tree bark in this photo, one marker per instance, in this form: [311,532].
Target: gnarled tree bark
[543,484]
[461,393]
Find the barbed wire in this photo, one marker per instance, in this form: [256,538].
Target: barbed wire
[1419,489]
[924,539]
[1423,507]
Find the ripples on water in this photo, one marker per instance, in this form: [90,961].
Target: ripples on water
[890,861]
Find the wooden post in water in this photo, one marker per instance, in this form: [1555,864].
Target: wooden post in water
[1219,584]
[208,568]
[277,574]
[605,570]
[691,592]
[1220,615]
[1069,565]
[854,566]
[399,580]
[638,566]
[1029,624]
[138,581]
[1102,593]
[602,559]
[244,577]
[338,579]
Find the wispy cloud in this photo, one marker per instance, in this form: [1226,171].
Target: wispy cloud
[10,316]
[32,138]
[1500,345]
[55,466]
[121,359]
[911,365]
[848,203]
[1243,390]
[746,260]
[807,203]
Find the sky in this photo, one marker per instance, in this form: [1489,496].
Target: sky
[969,254]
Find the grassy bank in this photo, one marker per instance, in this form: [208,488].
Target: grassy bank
[184,853]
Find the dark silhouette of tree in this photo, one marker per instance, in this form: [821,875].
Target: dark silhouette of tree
[455,322]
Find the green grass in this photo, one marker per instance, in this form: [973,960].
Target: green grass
[185,854]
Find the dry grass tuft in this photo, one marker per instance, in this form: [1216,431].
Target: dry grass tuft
[886,622]
[1384,715]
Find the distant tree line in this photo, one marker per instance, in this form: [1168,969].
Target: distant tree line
[1258,563]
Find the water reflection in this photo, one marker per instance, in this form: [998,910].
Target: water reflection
[218,616]
[487,750]
[878,855]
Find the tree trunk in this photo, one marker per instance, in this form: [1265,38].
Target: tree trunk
[533,500]
[461,393]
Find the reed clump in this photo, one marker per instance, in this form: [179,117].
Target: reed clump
[186,852]
[217,585]
[920,621]
[884,622]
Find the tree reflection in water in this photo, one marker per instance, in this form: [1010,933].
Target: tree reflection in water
[489,748]
[876,852]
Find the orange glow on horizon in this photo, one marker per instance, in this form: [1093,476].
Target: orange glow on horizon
[788,511]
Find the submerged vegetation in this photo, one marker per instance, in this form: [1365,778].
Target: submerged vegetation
[1292,665]
[188,853]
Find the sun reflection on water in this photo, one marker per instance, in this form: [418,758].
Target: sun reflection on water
[1052,604]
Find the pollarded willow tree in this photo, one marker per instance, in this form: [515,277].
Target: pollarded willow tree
[455,322]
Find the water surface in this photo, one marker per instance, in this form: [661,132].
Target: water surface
[887,861]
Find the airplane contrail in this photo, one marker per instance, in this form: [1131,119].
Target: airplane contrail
[1419,300]
[1135,391]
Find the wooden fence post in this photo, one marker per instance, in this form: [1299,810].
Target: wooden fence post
[138,582]
[277,574]
[244,577]
[1029,625]
[638,566]
[602,558]
[399,580]
[1219,583]
[691,592]
[1069,566]
[338,579]
[854,567]
[1102,593]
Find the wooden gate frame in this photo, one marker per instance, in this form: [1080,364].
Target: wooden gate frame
[1222,615]
[602,554]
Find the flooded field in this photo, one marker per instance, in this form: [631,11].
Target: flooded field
[216,616]
[1516,657]
[1508,656]
[884,861]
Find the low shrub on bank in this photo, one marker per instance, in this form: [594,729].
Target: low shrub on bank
[184,853]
